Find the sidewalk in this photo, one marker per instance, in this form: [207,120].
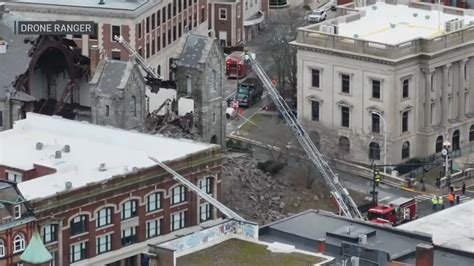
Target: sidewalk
[433,190]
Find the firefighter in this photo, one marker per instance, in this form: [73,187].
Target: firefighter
[440,202]
[378,178]
[451,199]
[235,105]
[434,201]
[463,188]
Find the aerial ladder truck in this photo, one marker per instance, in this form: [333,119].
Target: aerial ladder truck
[347,206]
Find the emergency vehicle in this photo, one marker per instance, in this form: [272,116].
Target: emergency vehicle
[395,212]
[235,65]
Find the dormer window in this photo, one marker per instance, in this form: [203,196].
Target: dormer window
[17,211]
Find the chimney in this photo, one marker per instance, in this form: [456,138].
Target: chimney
[322,245]
[95,58]
[424,255]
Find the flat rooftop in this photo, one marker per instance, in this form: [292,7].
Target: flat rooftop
[240,252]
[452,227]
[109,4]
[90,145]
[395,24]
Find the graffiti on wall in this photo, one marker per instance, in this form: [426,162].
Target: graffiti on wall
[201,237]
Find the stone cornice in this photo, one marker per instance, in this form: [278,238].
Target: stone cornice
[375,59]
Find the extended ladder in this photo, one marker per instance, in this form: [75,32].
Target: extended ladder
[346,204]
[148,69]
[221,207]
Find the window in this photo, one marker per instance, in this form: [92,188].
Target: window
[1,119]
[205,212]
[180,31]
[17,211]
[2,248]
[55,260]
[178,220]
[213,117]
[180,5]
[153,22]
[79,224]
[375,123]
[158,18]
[185,4]
[147,50]
[107,111]
[50,233]
[139,29]
[169,36]
[116,55]
[104,243]
[471,133]
[129,236]
[178,194]
[222,14]
[14,177]
[134,106]
[104,216]
[344,144]
[147,25]
[158,44]
[164,39]
[246,5]
[439,144]
[169,11]
[174,33]
[78,252]
[345,83]
[174,7]
[93,36]
[406,88]
[345,116]
[315,80]
[374,151]
[153,46]
[153,202]
[206,184]
[406,150]
[163,18]
[239,11]
[405,121]
[115,31]
[153,228]
[129,209]
[203,15]
[19,243]
[376,89]
[314,110]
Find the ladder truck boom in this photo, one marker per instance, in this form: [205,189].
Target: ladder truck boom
[345,202]
[148,69]
[221,207]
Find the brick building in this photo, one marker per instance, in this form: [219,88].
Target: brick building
[151,27]
[236,22]
[97,195]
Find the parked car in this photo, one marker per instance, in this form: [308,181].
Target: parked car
[316,16]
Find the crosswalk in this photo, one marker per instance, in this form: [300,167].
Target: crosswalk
[422,198]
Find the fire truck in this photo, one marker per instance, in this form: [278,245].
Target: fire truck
[236,65]
[394,213]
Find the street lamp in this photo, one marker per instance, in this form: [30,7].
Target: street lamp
[445,152]
[384,142]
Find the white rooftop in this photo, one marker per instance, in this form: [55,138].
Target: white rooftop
[90,145]
[452,227]
[376,26]
[110,4]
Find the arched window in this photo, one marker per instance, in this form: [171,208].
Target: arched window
[79,224]
[471,134]
[439,144]
[344,144]
[134,105]
[129,209]
[104,216]
[374,151]
[406,150]
[19,243]
[2,248]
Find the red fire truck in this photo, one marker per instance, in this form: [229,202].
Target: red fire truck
[235,65]
[395,212]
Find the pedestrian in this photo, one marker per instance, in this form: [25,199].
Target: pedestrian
[463,188]
[451,199]
[434,201]
[451,189]
[440,202]
[458,198]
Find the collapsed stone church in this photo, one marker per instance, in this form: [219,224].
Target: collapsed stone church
[59,80]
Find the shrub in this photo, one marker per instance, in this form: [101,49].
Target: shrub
[406,167]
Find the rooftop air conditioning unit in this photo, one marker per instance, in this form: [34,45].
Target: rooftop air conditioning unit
[68,185]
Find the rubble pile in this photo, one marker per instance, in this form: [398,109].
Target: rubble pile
[250,192]
[172,126]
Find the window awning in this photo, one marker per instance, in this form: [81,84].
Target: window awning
[314,98]
[256,18]
[36,252]
[344,103]
[375,108]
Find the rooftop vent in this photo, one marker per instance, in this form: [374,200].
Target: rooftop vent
[374,7]
[348,229]
[102,167]
[67,148]
[101,2]
[57,155]
[362,239]
[356,35]
[68,185]
[415,15]
[135,169]
[393,25]
[39,146]
[427,16]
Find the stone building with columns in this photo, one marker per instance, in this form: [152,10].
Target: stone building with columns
[388,65]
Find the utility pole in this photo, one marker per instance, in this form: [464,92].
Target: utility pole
[374,191]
